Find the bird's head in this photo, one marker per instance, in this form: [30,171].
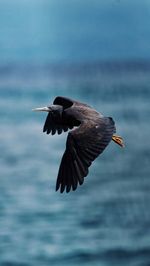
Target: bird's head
[57,109]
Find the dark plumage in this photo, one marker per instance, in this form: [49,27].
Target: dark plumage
[84,144]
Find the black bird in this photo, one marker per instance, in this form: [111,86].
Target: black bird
[89,138]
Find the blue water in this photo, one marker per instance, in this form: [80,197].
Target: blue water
[106,221]
[73,30]
[96,52]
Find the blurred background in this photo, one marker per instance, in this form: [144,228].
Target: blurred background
[97,52]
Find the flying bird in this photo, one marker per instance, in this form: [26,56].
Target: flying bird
[90,133]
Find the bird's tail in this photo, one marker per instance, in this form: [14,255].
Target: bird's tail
[119,140]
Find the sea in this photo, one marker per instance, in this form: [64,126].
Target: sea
[106,221]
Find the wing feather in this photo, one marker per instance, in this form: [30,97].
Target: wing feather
[83,146]
[78,173]
[51,126]
[69,178]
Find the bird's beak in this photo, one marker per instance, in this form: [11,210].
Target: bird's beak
[43,109]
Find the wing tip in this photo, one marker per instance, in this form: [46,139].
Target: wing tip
[66,188]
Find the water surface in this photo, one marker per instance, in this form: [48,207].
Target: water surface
[106,221]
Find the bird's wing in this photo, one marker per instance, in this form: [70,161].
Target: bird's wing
[65,102]
[83,145]
[53,125]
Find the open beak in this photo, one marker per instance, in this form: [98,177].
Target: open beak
[41,109]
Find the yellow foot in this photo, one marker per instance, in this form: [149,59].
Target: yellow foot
[118,140]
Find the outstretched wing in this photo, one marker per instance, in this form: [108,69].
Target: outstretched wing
[54,123]
[63,101]
[83,146]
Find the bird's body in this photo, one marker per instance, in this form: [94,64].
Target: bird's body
[91,133]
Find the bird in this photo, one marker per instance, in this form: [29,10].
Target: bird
[89,135]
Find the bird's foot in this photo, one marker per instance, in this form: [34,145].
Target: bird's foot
[118,140]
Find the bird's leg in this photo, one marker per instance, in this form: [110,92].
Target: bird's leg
[119,140]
